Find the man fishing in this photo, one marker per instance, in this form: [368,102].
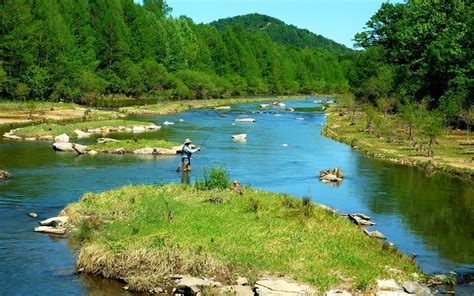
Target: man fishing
[187,152]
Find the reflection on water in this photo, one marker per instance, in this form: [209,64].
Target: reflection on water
[431,216]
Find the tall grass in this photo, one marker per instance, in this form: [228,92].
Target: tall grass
[214,178]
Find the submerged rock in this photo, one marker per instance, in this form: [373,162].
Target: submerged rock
[168,123]
[63,138]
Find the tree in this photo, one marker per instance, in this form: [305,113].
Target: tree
[431,126]
[410,114]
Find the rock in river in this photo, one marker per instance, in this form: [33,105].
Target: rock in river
[54,221]
[374,234]
[241,137]
[245,120]
[49,229]
[4,175]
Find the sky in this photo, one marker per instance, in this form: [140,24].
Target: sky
[338,20]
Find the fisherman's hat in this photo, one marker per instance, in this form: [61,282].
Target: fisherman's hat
[187,141]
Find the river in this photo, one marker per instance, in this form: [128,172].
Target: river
[429,215]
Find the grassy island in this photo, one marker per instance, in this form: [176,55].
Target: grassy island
[145,234]
[131,145]
[54,129]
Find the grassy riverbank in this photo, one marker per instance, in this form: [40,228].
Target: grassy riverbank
[145,234]
[131,145]
[453,152]
[40,130]
[14,112]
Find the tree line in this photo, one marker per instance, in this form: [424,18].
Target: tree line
[77,50]
[417,61]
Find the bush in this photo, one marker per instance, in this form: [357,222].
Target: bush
[215,178]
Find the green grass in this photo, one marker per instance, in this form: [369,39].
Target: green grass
[143,234]
[58,129]
[6,105]
[131,145]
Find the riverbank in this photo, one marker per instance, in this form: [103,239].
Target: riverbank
[145,235]
[454,150]
[14,112]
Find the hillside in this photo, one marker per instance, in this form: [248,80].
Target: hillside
[281,32]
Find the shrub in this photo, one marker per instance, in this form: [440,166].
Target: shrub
[215,178]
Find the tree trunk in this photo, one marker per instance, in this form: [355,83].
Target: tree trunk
[430,148]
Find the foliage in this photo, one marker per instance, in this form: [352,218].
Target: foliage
[77,50]
[214,178]
[425,49]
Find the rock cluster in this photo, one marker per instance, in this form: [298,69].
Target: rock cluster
[335,175]
[80,134]
[4,175]
[54,225]
[392,288]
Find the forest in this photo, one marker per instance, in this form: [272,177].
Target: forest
[415,57]
[75,51]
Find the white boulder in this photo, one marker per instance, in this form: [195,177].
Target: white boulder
[81,135]
[50,230]
[138,129]
[65,147]
[63,138]
[241,137]
[245,120]
[55,221]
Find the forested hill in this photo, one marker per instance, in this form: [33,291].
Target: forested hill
[281,33]
[78,50]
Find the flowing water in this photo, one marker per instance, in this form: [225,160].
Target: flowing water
[431,216]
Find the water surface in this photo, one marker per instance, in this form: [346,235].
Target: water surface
[431,216]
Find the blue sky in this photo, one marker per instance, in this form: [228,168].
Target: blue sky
[339,20]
